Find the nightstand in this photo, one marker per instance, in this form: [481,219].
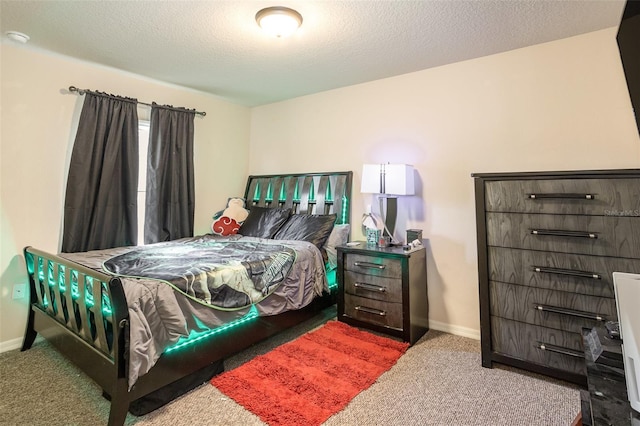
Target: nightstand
[384,290]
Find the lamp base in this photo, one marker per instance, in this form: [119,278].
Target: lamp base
[389,212]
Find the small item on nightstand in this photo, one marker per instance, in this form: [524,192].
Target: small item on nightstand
[384,241]
[373,235]
[414,234]
[415,244]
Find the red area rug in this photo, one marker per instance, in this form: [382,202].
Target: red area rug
[307,380]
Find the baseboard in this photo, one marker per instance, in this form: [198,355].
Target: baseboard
[10,345]
[454,329]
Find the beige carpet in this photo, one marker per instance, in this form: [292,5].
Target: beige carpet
[439,381]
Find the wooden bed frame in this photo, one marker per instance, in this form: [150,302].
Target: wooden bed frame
[94,335]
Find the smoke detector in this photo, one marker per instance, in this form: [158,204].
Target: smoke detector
[17,36]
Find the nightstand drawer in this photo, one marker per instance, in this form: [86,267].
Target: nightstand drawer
[552,309]
[565,196]
[593,235]
[373,265]
[574,273]
[373,311]
[372,287]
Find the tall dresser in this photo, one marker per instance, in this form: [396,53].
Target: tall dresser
[548,243]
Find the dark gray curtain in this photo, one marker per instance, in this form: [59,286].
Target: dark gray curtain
[100,209]
[170,194]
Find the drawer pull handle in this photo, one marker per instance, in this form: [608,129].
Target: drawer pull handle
[561,233]
[574,313]
[570,272]
[559,350]
[370,287]
[371,311]
[368,265]
[567,196]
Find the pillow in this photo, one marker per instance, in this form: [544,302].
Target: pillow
[314,228]
[263,222]
[339,236]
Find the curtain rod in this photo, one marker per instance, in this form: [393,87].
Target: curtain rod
[83,91]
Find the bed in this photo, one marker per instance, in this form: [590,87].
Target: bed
[87,314]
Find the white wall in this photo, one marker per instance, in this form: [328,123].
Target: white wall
[39,118]
[556,106]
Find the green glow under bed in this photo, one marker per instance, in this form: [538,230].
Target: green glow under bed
[84,313]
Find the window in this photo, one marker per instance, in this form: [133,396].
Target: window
[143,146]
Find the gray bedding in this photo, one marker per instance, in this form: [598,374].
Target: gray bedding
[161,310]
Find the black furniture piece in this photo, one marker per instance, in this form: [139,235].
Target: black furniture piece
[384,289]
[605,402]
[548,243]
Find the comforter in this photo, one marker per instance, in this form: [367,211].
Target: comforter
[167,304]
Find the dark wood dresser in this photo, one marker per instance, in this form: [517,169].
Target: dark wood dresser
[548,243]
[384,289]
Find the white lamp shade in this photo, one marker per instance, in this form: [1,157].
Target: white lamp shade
[399,179]
[371,180]
[390,179]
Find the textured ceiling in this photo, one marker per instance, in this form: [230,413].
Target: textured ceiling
[216,46]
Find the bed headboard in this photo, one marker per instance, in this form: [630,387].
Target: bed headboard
[303,193]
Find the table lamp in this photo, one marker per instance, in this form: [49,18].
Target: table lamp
[388,181]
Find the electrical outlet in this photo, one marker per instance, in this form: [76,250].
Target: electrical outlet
[19,291]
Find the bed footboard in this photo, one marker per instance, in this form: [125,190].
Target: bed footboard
[83,313]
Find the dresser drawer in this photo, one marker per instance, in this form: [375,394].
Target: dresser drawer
[565,196]
[548,347]
[373,265]
[373,311]
[373,287]
[594,235]
[548,308]
[577,273]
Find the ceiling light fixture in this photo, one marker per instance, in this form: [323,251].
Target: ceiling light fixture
[17,36]
[279,21]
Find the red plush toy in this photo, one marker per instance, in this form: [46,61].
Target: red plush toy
[230,219]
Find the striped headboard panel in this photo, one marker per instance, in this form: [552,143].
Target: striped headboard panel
[304,193]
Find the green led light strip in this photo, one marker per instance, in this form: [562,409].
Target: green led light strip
[256,192]
[269,196]
[195,337]
[345,203]
[49,280]
[332,280]
[296,192]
